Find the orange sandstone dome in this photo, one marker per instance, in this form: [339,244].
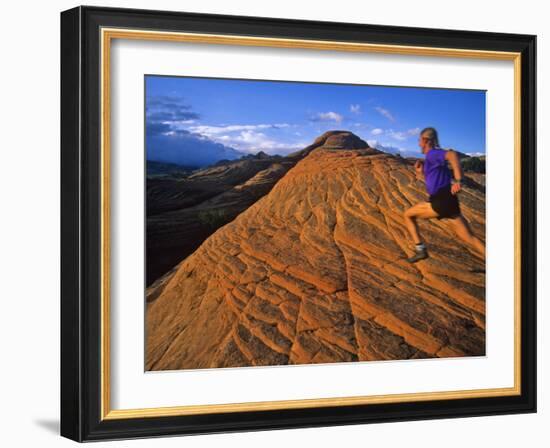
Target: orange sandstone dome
[314,272]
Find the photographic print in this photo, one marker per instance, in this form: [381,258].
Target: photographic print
[306,223]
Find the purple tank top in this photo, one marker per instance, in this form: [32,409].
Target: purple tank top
[436,172]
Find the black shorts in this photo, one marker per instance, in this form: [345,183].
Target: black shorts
[445,204]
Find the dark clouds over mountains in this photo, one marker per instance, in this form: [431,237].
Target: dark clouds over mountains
[184,148]
[168,141]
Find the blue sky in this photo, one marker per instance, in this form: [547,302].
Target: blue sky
[281,117]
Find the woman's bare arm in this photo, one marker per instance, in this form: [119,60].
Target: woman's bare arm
[454,161]
[418,169]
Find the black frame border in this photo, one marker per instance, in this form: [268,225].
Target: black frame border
[81,224]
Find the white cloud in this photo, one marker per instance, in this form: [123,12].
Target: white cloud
[211,131]
[382,147]
[328,116]
[397,135]
[355,108]
[402,135]
[247,138]
[377,131]
[385,113]
[177,124]
[249,141]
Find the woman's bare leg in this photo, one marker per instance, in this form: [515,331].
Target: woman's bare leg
[464,232]
[422,210]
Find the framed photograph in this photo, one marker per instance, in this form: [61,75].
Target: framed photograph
[273,223]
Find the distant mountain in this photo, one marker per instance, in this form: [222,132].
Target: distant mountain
[258,155]
[163,169]
[393,149]
[187,149]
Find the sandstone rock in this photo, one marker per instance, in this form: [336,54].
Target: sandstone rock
[315,272]
[182,213]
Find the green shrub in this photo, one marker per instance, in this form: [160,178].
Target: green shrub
[213,218]
[474,164]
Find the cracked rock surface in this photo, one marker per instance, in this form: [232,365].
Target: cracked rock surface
[315,272]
